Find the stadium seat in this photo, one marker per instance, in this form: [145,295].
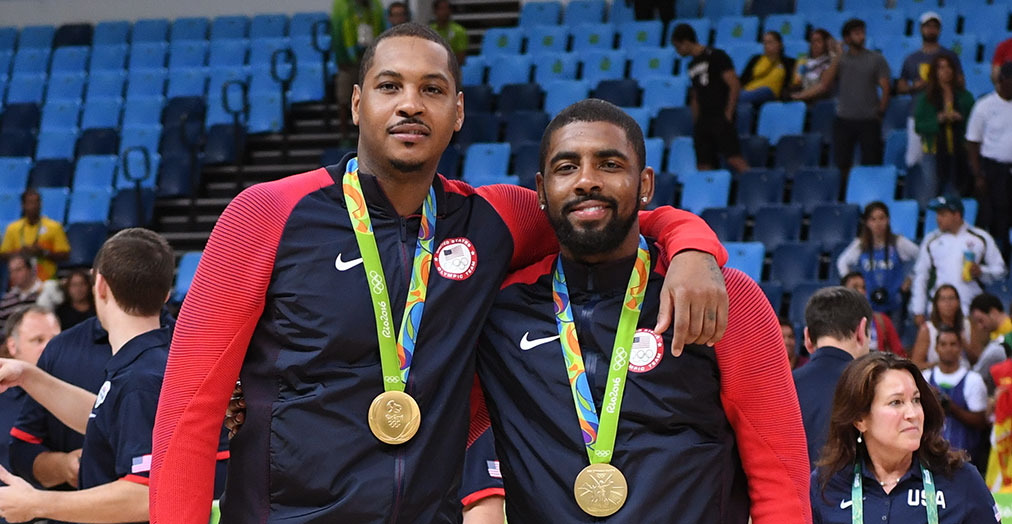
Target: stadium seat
[69,60]
[664,190]
[634,35]
[188,29]
[261,51]
[36,37]
[221,76]
[776,224]
[642,117]
[896,150]
[723,8]
[308,85]
[584,12]
[673,122]
[184,275]
[89,205]
[865,6]
[823,113]
[549,67]
[705,189]
[150,30]
[187,54]
[895,49]
[654,153]
[562,93]
[603,65]
[623,92]
[303,23]
[502,41]
[650,62]
[100,141]
[793,263]
[526,163]
[26,88]
[221,143]
[144,83]
[135,166]
[486,160]
[269,26]
[478,98]
[702,26]
[10,210]
[736,29]
[759,187]
[984,20]
[54,202]
[265,113]
[777,119]
[261,81]
[833,224]
[587,37]
[885,23]
[740,52]
[756,150]
[681,156]
[111,58]
[148,55]
[182,136]
[509,69]
[66,87]
[790,26]
[53,172]
[525,126]
[111,33]
[187,82]
[6,58]
[620,12]
[229,53]
[1002,290]
[16,171]
[965,46]
[661,92]
[101,113]
[917,187]
[519,97]
[478,127]
[85,239]
[123,212]
[146,135]
[868,183]
[229,27]
[472,73]
[801,292]
[176,176]
[539,13]
[896,114]
[796,151]
[728,223]
[903,215]
[189,109]
[449,163]
[73,35]
[21,118]
[774,294]
[746,257]
[56,143]
[547,38]
[143,110]
[60,115]
[814,186]
[8,38]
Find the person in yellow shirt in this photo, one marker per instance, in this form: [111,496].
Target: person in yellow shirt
[765,75]
[453,32]
[35,236]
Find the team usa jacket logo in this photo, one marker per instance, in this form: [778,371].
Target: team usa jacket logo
[456,259]
[647,350]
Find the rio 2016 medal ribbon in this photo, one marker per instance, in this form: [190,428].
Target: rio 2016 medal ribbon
[394,416]
[600,489]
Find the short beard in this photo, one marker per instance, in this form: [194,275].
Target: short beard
[406,167]
[593,242]
[930,39]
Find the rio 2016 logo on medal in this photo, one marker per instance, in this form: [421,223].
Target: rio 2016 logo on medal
[394,417]
[456,258]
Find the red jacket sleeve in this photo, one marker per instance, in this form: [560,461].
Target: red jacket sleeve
[890,338]
[209,344]
[758,394]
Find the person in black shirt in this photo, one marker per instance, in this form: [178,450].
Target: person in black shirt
[78,302]
[714,97]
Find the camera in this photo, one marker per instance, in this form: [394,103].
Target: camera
[879,296]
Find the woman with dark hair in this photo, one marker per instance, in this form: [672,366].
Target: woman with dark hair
[883,258]
[945,311]
[78,302]
[806,82]
[885,455]
[940,115]
[765,75]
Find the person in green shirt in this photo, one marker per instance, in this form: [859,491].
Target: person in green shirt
[451,31]
[940,116]
[354,24]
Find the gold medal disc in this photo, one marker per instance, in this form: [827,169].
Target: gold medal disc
[600,490]
[394,417]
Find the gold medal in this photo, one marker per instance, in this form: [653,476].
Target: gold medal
[394,417]
[600,490]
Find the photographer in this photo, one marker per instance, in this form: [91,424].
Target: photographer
[962,394]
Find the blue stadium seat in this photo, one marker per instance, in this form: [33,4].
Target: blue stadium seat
[56,143]
[302,23]
[307,86]
[587,37]
[36,37]
[472,73]
[869,183]
[681,156]
[525,126]
[549,67]
[746,257]
[261,81]
[502,41]
[661,92]
[147,135]
[801,292]
[777,119]
[885,23]
[672,122]
[51,172]
[509,69]
[965,46]
[793,263]
[526,164]
[143,110]
[188,29]
[831,21]
[486,160]
[66,86]
[149,82]
[776,224]
[833,224]
[702,26]
[262,51]
[181,136]
[101,141]
[54,202]
[60,115]
[917,187]
[175,176]
[187,54]
[449,163]
[21,118]
[539,13]
[108,58]
[728,223]
[795,48]
[519,97]
[265,113]
[184,275]
[865,6]
[547,38]
[895,49]
[650,62]
[68,35]
[705,189]
[723,8]
[814,186]
[896,114]
[584,12]
[601,65]
[148,55]
[903,215]
[1002,290]
[642,117]
[756,150]
[221,143]
[562,93]
[478,98]
[823,113]
[478,128]
[134,165]
[85,239]
[229,27]
[620,12]
[759,187]
[790,26]
[654,153]
[101,112]
[269,26]
[774,294]
[814,7]
[645,33]
[664,190]
[26,88]
[896,150]
[6,58]
[187,82]
[16,171]
[984,20]
[111,33]
[89,205]
[150,30]
[8,37]
[740,52]
[623,92]
[72,59]
[95,172]
[229,53]
[123,212]
[796,151]
[736,29]
[221,75]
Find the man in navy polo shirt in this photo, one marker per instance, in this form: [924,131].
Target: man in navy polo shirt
[133,276]
[837,323]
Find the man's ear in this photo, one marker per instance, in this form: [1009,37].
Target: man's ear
[539,181]
[12,349]
[356,98]
[460,111]
[647,177]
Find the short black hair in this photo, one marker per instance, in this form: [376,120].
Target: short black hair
[684,33]
[853,274]
[943,329]
[436,3]
[29,192]
[401,5]
[835,312]
[985,303]
[415,30]
[595,110]
[850,25]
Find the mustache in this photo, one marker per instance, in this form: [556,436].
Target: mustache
[410,120]
[568,206]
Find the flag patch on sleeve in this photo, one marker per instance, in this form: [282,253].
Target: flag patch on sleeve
[140,464]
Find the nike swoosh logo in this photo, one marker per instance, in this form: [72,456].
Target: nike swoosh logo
[844,504]
[345,266]
[526,344]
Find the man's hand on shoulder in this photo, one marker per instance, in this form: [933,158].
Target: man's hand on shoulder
[695,297]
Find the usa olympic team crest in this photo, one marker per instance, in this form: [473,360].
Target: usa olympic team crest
[647,351]
[456,258]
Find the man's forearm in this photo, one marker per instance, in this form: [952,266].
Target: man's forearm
[67,402]
[50,469]
[115,502]
[488,510]
[973,148]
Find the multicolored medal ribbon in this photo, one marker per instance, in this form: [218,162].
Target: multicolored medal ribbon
[394,416]
[857,495]
[600,489]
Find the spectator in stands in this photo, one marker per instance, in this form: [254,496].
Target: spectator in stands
[354,24]
[885,451]
[766,74]
[451,31]
[945,313]
[398,14]
[806,82]
[883,335]
[988,317]
[958,254]
[914,74]
[859,73]
[36,236]
[962,393]
[883,258]
[940,115]
[790,343]
[1002,55]
[78,300]
[837,324]
[713,100]
[28,331]
[645,10]
[989,139]
[25,286]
